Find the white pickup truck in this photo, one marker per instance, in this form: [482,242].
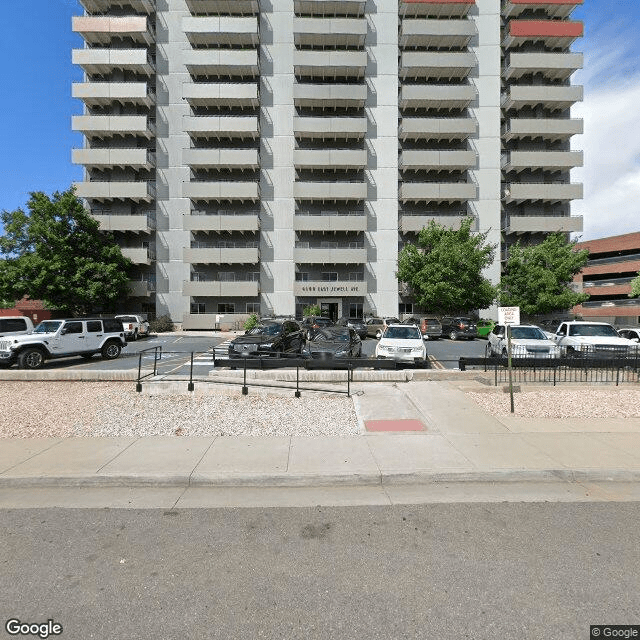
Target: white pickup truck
[135,326]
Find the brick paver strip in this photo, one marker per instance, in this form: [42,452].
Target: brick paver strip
[394,425]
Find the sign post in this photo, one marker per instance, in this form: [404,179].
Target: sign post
[509,316]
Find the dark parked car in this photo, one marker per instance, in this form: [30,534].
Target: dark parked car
[456,327]
[357,324]
[431,328]
[312,323]
[411,321]
[334,342]
[269,338]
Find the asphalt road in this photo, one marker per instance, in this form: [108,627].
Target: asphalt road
[443,571]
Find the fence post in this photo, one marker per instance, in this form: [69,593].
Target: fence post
[190,385]
[138,383]
[349,371]
[297,393]
[245,390]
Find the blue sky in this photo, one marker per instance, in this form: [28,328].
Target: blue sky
[36,137]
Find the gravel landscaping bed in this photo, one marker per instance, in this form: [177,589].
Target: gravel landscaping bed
[562,403]
[63,409]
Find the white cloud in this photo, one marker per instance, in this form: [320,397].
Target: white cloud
[611,141]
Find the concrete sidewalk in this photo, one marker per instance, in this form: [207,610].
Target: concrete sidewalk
[456,442]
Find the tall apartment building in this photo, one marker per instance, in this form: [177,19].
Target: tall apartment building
[263,155]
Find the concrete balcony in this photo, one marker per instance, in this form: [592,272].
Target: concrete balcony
[95,94]
[221,94]
[104,60]
[437,128]
[116,157]
[137,223]
[437,96]
[102,30]
[223,7]
[554,34]
[542,128]
[229,31]
[553,98]
[330,64]
[518,161]
[454,34]
[222,127]
[441,160]
[212,222]
[436,8]
[330,128]
[415,223]
[235,63]
[247,255]
[329,96]
[139,255]
[141,288]
[327,159]
[438,191]
[217,288]
[553,66]
[329,7]
[217,191]
[320,288]
[328,222]
[103,6]
[436,64]
[329,32]
[329,256]
[543,224]
[221,158]
[330,191]
[552,8]
[532,192]
[140,191]
[109,126]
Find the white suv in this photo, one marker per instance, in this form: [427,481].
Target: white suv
[61,338]
[592,339]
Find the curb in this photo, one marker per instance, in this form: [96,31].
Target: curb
[329,479]
[74,375]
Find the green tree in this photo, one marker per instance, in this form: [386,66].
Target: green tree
[538,278]
[56,253]
[635,287]
[444,269]
[311,310]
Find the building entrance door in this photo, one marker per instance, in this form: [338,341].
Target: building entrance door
[329,310]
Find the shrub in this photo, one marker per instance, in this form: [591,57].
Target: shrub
[311,310]
[161,324]
[251,322]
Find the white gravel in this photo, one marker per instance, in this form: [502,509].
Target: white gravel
[611,402]
[62,409]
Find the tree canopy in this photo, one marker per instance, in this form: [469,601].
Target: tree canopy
[635,287]
[444,269]
[538,278]
[55,252]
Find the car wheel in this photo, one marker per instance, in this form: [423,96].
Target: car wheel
[135,335]
[111,350]
[505,353]
[488,351]
[31,359]
[453,335]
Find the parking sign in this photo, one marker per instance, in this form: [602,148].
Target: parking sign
[508,315]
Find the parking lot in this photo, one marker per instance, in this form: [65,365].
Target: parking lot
[177,349]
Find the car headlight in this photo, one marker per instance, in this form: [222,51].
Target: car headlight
[342,352]
[267,345]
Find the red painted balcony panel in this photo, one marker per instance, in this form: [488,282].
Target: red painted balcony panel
[541,3]
[545,29]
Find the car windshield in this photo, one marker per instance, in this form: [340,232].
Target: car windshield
[48,326]
[593,330]
[527,333]
[403,333]
[331,336]
[127,318]
[266,330]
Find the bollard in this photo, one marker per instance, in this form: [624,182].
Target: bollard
[245,389]
[297,393]
[190,385]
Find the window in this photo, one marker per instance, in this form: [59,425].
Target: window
[197,307]
[356,276]
[355,310]
[226,276]
[253,307]
[302,277]
[13,324]
[226,307]
[94,326]
[73,327]
[406,307]
[330,276]
[326,244]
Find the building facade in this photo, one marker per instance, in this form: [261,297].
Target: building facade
[261,155]
[613,263]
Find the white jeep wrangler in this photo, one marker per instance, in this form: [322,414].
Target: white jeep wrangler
[62,338]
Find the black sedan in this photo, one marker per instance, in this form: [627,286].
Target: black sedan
[357,324]
[333,342]
[269,338]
